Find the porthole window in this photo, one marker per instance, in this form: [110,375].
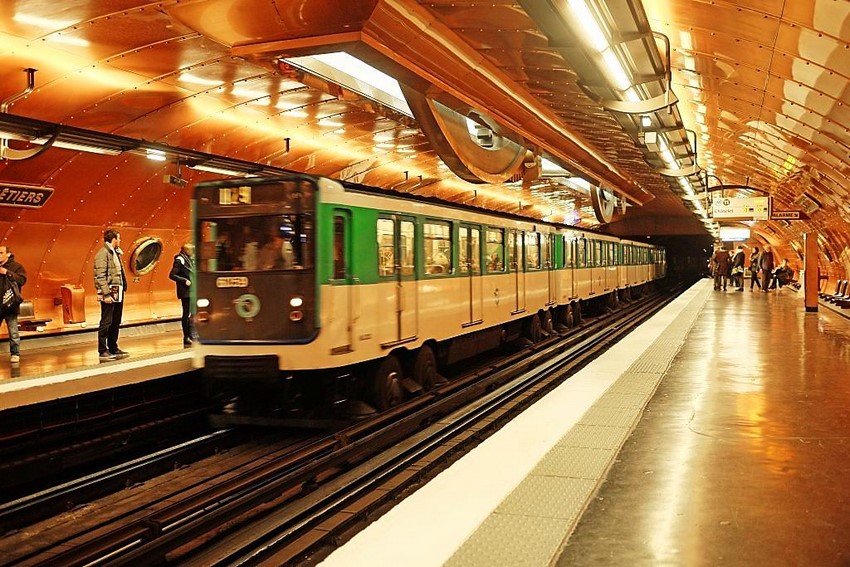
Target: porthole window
[144,255]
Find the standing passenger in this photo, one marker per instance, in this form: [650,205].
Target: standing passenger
[754,268]
[111,285]
[12,270]
[183,274]
[766,267]
[721,267]
[738,268]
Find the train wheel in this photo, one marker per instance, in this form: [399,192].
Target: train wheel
[577,312]
[546,322]
[569,317]
[612,301]
[386,383]
[425,368]
[532,329]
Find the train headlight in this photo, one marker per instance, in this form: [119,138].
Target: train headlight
[296,301]
[203,302]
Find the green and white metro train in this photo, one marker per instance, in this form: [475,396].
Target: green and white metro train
[311,290]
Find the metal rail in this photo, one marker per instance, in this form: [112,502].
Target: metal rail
[275,482]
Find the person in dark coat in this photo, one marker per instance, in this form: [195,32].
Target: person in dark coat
[738,268]
[12,270]
[754,268]
[766,267]
[722,267]
[183,274]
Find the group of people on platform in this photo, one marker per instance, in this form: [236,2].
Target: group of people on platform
[764,274]
[110,282]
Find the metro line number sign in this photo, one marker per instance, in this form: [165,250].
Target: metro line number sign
[24,196]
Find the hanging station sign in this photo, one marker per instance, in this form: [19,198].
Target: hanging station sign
[751,208]
[25,196]
[786,215]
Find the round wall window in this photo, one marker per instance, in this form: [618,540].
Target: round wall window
[145,254]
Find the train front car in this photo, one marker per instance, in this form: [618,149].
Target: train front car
[255,285]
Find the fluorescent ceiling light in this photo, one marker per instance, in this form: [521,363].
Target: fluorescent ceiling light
[219,170]
[354,74]
[550,168]
[590,27]
[195,80]
[155,155]
[42,22]
[64,145]
[616,74]
[734,233]
[67,40]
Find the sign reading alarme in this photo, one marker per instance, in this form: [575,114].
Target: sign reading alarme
[755,208]
[26,196]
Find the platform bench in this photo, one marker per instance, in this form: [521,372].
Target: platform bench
[27,320]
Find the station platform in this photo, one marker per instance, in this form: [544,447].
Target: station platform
[716,433]
[54,367]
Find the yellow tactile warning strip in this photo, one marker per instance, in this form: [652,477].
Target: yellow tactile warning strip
[532,523]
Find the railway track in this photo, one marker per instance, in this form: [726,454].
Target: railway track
[296,505]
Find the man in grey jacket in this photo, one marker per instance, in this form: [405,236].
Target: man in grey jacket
[111,285]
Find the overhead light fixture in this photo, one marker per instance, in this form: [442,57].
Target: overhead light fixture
[62,144]
[155,155]
[219,170]
[590,27]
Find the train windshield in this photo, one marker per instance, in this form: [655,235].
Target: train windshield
[257,243]
[258,225]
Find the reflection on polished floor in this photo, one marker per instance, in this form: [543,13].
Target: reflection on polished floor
[41,356]
[742,457]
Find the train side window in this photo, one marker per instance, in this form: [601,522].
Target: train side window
[437,240]
[581,253]
[546,245]
[568,252]
[470,250]
[407,233]
[339,248]
[495,249]
[386,247]
[532,250]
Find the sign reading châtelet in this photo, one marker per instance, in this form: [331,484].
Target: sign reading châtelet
[26,196]
[755,208]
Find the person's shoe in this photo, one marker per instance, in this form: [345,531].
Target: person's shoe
[106,356]
[118,353]
[16,358]
[187,343]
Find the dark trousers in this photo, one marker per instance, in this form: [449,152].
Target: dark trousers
[765,279]
[754,279]
[110,324]
[186,320]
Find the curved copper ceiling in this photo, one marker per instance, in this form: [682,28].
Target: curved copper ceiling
[772,76]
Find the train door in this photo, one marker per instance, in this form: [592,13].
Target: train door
[570,266]
[516,252]
[396,249]
[470,265]
[342,301]
[549,266]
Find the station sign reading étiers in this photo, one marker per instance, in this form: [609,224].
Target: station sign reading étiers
[25,196]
